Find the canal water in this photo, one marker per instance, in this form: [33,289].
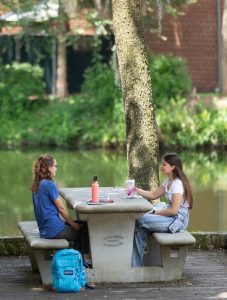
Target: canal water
[207,173]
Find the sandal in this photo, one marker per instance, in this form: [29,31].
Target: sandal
[90,285]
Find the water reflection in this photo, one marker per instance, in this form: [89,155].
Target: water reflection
[221,197]
[208,175]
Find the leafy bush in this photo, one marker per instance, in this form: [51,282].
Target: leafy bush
[170,78]
[93,119]
[52,125]
[96,118]
[181,128]
[99,88]
[102,117]
[75,124]
[10,133]
[21,86]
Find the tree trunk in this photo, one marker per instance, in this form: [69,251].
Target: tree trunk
[67,11]
[61,82]
[224,50]
[141,131]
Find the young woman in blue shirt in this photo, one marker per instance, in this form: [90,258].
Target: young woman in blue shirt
[53,219]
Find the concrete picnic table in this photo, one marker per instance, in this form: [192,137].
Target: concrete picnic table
[111,231]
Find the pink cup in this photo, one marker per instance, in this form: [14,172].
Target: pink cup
[130,188]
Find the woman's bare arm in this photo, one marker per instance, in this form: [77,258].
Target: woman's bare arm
[65,214]
[173,209]
[152,195]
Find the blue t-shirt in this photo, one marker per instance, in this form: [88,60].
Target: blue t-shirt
[46,213]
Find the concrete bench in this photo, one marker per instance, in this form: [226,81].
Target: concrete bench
[40,250]
[168,251]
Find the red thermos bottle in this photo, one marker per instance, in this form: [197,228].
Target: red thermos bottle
[95,190]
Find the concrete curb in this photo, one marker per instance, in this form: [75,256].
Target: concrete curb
[210,240]
[15,245]
[12,246]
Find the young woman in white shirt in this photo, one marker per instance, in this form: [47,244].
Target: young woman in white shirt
[175,217]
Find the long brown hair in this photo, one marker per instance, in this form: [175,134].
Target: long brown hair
[174,160]
[41,170]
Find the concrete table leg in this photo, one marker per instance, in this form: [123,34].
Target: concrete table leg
[111,240]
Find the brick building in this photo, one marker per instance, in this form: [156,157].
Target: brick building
[196,36]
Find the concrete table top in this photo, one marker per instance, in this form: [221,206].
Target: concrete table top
[78,199]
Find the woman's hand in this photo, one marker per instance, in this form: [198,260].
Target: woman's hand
[76,226]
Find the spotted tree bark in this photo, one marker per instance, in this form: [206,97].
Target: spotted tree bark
[141,131]
[224,50]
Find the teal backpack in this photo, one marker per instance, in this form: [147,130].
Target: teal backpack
[68,273]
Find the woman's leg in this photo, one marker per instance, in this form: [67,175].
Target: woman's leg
[69,234]
[144,226]
[84,244]
[139,244]
[155,223]
[83,240]
[80,238]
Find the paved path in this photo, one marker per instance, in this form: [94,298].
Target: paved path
[205,277]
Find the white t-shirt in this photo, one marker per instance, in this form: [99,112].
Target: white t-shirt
[175,188]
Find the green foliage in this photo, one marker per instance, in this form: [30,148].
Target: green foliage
[10,132]
[21,88]
[93,119]
[52,125]
[96,118]
[98,87]
[103,118]
[170,78]
[183,128]
[77,122]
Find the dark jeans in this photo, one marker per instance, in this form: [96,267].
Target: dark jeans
[80,238]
